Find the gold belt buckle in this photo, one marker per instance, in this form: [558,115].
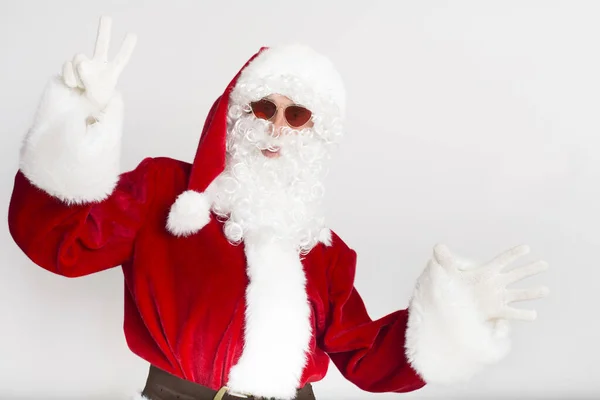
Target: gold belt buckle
[225,390]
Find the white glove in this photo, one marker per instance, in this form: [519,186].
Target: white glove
[98,77]
[458,315]
[72,149]
[488,282]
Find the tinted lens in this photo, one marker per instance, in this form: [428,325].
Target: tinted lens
[263,109]
[297,116]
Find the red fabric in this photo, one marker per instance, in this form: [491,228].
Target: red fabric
[184,297]
[209,160]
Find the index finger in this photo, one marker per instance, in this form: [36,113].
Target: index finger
[508,257]
[124,55]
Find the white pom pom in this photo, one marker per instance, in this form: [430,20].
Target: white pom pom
[189,213]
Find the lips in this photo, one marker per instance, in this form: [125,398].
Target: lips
[271,153]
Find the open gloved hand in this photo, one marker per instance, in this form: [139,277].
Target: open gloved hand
[459,313]
[488,282]
[97,76]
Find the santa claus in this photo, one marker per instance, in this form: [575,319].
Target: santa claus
[234,284]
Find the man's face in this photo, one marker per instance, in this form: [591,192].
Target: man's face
[274,175]
[280,120]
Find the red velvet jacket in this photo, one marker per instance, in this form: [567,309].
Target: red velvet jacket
[185,296]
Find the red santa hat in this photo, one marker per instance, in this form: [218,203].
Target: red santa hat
[294,71]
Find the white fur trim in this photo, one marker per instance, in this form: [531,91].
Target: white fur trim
[447,339]
[297,61]
[300,73]
[278,328]
[325,237]
[67,157]
[189,213]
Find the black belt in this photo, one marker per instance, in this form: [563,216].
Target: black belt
[162,385]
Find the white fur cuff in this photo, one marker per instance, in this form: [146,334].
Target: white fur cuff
[447,339]
[72,150]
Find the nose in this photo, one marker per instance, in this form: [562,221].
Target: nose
[278,122]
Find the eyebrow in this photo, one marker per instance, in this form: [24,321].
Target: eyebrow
[270,97]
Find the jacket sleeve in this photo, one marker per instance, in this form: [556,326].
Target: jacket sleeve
[71,211]
[369,353]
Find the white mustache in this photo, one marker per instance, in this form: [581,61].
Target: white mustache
[262,135]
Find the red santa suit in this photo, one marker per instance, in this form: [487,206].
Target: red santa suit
[258,318]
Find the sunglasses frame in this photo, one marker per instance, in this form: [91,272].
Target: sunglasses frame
[277,108]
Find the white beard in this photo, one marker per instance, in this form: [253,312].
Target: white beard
[278,196]
[275,206]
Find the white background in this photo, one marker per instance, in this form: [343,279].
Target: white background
[476,124]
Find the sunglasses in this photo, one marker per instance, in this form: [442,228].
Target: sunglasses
[295,115]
